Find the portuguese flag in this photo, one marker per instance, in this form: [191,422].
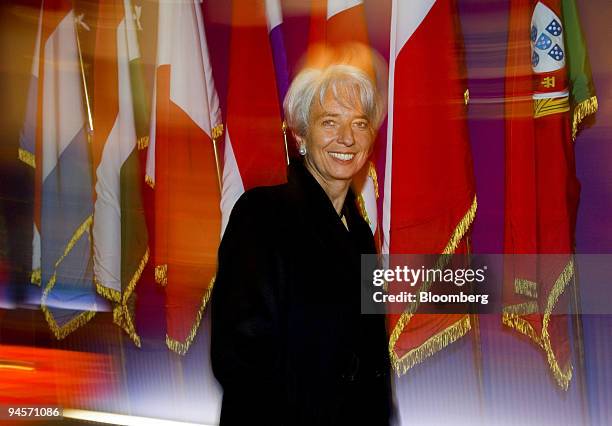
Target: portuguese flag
[548,93]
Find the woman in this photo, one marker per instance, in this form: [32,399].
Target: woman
[289,344]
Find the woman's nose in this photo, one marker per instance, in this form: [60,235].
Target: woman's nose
[345,136]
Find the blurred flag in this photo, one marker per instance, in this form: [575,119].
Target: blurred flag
[255,154]
[54,141]
[548,93]
[119,229]
[429,198]
[182,167]
[337,22]
[341,26]
[274,18]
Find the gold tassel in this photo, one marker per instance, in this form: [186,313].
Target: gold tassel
[142,142]
[217,131]
[36,277]
[149,181]
[374,177]
[181,348]
[581,111]
[161,274]
[27,157]
[466,96]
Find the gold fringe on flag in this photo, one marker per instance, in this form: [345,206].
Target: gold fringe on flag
[149,181]
[181,348]
[27,157]
[431,345]
[217,131]
[374,177]
[36,277]
[450,334]
[526,288]
[526,308]
[62,331]
[123,316]
[512,319]
[581,111]
[362,209]
[161,274]
[142,143]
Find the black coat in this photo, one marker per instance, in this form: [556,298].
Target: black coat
[289,343]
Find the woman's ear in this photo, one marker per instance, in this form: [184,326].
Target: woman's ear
[299,139]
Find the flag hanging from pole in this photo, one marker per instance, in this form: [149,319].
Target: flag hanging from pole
[274,19]
[54,142]
[183,170]
[119,229]
[548,93]
[429,197]
[254,152]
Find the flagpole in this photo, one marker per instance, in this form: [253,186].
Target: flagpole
[578,332]
[84,80]
[284,127]
[217,131]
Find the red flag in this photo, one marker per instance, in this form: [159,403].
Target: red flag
[254,148]
[429,198]
[542,190]
[181,166]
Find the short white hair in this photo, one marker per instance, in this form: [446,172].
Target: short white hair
[348,84]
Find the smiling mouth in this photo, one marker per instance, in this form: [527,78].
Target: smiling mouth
[342,156]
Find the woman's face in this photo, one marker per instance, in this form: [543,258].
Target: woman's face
[339,139]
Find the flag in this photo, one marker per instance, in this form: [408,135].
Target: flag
[119,229]
[429,197]
[254,153]
[274,19]
[54,141]
[548,93]
[182,168]
[340,27]
[337,22]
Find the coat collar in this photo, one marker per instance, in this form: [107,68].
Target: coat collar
[311,195]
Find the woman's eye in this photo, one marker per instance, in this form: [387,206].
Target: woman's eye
[361,124]
[328,123]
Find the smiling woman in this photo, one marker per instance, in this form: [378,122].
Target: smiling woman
[289,343]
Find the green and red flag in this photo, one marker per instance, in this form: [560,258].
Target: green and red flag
[119,229]
[549,91]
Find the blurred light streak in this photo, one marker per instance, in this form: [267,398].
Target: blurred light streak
[121,419]
[10,365]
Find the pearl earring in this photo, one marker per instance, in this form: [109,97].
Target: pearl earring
[302,149]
